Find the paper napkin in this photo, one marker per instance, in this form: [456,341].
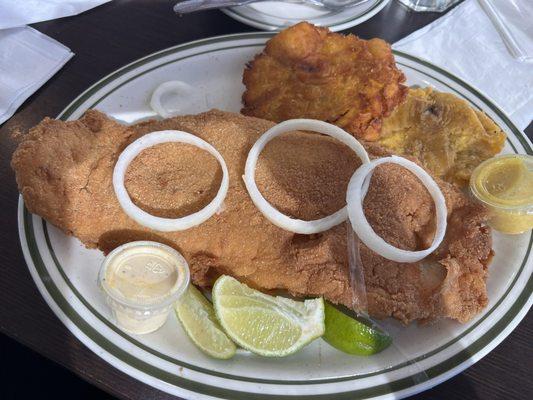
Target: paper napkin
[466,42]
[22,12]
[27,60]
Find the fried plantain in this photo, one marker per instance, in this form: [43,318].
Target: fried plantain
[309,72]
[443,132]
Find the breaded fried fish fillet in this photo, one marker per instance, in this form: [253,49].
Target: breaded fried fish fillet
[309,72]
[64,172]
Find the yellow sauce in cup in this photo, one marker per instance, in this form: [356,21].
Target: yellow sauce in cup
[505,185]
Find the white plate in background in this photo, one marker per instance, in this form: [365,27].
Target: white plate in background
[277,15]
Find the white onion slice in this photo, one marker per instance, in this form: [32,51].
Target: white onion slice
[356,194]
[158,223]
[271,213]
[177,87]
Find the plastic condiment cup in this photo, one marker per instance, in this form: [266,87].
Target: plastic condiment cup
[135,313]
[512,216]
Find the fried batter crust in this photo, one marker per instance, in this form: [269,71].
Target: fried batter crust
[310,72]
[448,137]
[64,172]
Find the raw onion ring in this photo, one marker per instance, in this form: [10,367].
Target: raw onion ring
[356,194]
[177,87]
[271,213]
[151,221]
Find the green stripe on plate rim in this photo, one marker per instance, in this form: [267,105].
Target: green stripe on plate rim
[398,385]
[236,11]
[103,97]
[259,380]
[181,363]
[254,45]
[173,379]
[73,106]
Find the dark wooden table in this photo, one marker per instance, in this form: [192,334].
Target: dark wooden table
[104,39]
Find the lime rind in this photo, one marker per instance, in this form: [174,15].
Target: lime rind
[199,321]
[351,336]
[266,325]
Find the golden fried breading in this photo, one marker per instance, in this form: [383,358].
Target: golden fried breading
[309,72]
[443,132]
[64,172]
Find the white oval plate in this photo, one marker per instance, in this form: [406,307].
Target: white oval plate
[65,272]
[277,15]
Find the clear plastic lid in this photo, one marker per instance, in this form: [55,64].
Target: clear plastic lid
[144,275]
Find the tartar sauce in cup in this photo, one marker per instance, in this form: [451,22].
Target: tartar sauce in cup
[141,281]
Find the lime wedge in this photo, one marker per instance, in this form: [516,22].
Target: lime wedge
[266,325]
[198,318]
[351,336]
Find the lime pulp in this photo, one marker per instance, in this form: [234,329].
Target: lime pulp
[266,325]
[198,319]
